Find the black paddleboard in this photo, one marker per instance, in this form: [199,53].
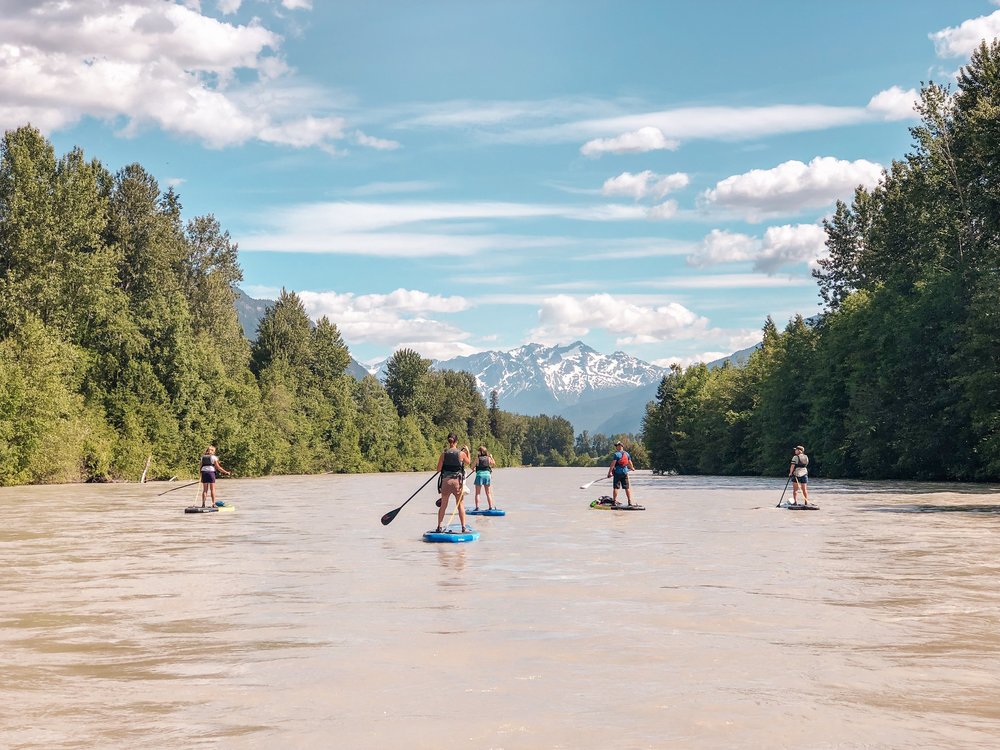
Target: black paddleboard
[799,506]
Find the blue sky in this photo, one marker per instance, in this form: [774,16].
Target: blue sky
[648,176]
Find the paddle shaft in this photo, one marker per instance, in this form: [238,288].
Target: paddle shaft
[388,517]
[587,485]
[174,489]
[784,491]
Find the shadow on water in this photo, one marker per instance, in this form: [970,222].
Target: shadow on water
[991,510]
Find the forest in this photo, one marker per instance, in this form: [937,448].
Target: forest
[899,377]
[121,354]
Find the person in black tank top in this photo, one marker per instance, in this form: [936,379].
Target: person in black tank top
[451,467]
[484,473]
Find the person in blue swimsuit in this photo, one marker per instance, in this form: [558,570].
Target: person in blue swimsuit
[484,473]
[209,466]
[619,469]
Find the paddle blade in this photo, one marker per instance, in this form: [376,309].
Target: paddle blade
[387,518]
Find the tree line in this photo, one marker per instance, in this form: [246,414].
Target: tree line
[119,341]
[899,377]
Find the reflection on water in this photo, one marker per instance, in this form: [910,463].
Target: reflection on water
[300,621]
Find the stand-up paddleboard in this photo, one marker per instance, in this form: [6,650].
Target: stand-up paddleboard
[485,512]
[603,505]
[210,509]
[800,506]
[452,533]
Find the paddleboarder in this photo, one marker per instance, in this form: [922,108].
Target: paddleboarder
[800,475]
[209,465]
[484,473]
[619,469]
[451,474]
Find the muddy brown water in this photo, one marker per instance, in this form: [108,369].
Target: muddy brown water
[711,620]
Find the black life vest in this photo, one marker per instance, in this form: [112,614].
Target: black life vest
[452,463]
[483,464]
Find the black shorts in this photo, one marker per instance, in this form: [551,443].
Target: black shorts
[208,477]
[801,480]
[621,481]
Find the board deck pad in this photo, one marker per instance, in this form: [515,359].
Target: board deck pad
[210,509]
[799,506]
[598,505]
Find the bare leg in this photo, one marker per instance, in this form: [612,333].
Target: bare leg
[795,491]
[489,497]
[479,487]
[441,510]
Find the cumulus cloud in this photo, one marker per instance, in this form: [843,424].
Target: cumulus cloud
[894,103]
[404,317]
[565,317]
[644,184]
[665,210]
[792,187]
[720,246]
[780,246]
[154,63]
[961,40]
[636,142]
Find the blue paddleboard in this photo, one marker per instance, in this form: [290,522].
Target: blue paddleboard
[486,512]
[452,533]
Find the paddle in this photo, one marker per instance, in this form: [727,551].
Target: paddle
[587,485]
[784,491]
[388,517]
[172,489]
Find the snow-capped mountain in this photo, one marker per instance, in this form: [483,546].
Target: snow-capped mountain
[575,381]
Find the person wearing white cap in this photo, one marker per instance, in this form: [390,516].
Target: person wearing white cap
[619,469]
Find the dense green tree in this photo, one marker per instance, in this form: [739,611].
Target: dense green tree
[405,375]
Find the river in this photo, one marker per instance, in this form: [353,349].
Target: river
[711,620]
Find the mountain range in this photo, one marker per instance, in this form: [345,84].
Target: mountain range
[600,393]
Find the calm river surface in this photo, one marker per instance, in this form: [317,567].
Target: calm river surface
[711,620]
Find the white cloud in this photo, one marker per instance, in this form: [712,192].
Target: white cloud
[665,210]
[297,4]
[720,246]
[792,187]
[565,317]
[153,63]
[636,142]
[227,7]
[780,246]
[431,228]
[691,359]
[644,184]
[728,281]
[961,40]
[894,103]
[790,245]
[379,144]
[401,317]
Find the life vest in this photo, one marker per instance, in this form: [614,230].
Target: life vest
[208,463]
[452,463]
[483,464]
[621,462]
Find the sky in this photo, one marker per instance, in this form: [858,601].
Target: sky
[648,176]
